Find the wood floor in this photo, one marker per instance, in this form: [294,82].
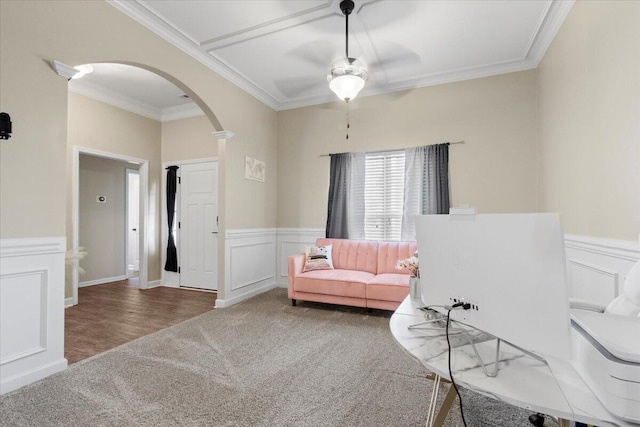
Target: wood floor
[115,313]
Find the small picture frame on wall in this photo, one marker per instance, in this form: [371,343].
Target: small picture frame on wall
[254,169]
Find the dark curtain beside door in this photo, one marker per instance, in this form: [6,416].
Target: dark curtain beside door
[172,185]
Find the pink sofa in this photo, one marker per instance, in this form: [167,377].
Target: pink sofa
[364,275]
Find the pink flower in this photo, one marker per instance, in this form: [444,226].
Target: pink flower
[412,264]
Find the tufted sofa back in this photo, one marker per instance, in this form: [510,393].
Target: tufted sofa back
[369,255]
[361,255]
[390,252]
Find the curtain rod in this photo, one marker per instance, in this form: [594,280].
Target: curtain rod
[395,149]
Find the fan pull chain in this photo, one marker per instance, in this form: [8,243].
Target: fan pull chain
[348,125]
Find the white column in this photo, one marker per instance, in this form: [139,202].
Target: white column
[223,286]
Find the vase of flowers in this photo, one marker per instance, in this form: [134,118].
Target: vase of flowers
[413,265]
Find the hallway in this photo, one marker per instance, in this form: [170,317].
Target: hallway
[115,313]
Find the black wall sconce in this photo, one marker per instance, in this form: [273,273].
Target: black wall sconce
[5,126]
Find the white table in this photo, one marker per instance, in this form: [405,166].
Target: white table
[552,388]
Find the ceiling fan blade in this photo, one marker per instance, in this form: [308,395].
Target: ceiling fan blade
[392,55]
[295,87]
[319,53]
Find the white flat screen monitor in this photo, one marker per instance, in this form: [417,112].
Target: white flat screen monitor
[509,267]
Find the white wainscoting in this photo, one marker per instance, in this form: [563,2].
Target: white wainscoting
[31,310]
[293,241]
[250,266]
[597,268]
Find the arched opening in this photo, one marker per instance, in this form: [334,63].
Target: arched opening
[114,131]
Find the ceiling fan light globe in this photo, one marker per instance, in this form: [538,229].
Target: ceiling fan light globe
[347,86]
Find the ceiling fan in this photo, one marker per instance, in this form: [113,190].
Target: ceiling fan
[348,75]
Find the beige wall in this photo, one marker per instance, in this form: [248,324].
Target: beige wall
[33,161]
[34,32]
[33,164]
[187,139]
[99,126]
[102,226]
[495,170]
[589,89]
[249,204]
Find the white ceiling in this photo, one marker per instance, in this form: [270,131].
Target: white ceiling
[280,51]
[136,90]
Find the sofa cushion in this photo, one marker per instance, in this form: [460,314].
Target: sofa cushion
[388,287]
[347,283]
[360,255]
[390,252]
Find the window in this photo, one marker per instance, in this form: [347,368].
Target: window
[383,195]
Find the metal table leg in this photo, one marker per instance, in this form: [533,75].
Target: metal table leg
[437,419]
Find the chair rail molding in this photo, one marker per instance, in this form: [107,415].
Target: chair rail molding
[622,249]
[32,287]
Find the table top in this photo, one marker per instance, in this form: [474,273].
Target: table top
[551,387]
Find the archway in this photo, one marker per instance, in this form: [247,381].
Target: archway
[221,136]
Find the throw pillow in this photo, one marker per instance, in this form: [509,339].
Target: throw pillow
[318,258]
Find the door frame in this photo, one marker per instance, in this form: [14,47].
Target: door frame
[127,239]
[169,278]
[144,209]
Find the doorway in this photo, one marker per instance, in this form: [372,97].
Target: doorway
[195,226]
[132,228]
[143,202]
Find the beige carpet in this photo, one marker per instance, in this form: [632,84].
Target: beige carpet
[259,363]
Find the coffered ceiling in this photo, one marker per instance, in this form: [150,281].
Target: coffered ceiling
[280,51]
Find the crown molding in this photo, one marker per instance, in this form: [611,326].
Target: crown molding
[116,99]
[136,11]
[124,102]
[64,70]
[553,19]
[180,112]
[433,80]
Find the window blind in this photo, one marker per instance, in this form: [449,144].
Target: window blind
[384,193]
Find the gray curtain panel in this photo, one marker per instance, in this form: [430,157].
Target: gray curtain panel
[426,185]
[436,191]
[337,215]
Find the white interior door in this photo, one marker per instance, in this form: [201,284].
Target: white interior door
[199,225]
[133,222]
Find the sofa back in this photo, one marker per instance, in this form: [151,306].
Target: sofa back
[369,255]
[361,255]
[390,252]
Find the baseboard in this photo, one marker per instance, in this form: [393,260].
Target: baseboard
[282,285]
[14,383]
[222,303]
[68,302]
[101,281]
[154,284]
